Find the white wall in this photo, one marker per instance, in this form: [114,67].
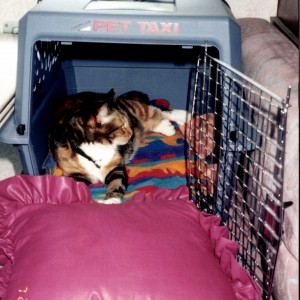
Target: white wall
[13,10]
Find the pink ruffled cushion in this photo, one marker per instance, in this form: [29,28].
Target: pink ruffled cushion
[56,243]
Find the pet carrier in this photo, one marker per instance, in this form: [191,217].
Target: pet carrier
[244,173]
[67,47]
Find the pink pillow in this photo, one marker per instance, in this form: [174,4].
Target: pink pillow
[56,243]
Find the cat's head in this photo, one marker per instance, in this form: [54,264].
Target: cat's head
[88,117]
[101,121]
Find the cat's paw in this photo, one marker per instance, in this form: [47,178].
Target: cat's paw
[113,200]
[165,127]
[180,116]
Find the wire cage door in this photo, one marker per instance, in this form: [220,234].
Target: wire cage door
[236,159]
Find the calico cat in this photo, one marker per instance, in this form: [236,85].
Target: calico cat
[94,135]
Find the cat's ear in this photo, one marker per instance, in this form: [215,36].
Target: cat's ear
[111,94]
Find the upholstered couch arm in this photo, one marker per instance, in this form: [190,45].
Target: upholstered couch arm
[271,59]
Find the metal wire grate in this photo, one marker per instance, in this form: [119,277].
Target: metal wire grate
[236,158]
[45,56]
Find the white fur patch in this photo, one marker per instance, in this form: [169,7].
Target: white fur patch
[101,154]
[180,116]
[165,127]
[112,200]
[102,116]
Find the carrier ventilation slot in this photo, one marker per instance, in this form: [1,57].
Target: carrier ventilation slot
[45,58]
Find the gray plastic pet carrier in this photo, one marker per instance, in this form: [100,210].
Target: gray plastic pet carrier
[70,46]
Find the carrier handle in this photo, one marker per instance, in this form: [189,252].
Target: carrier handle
[154,5]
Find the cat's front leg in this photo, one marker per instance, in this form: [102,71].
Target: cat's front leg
[116,182]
